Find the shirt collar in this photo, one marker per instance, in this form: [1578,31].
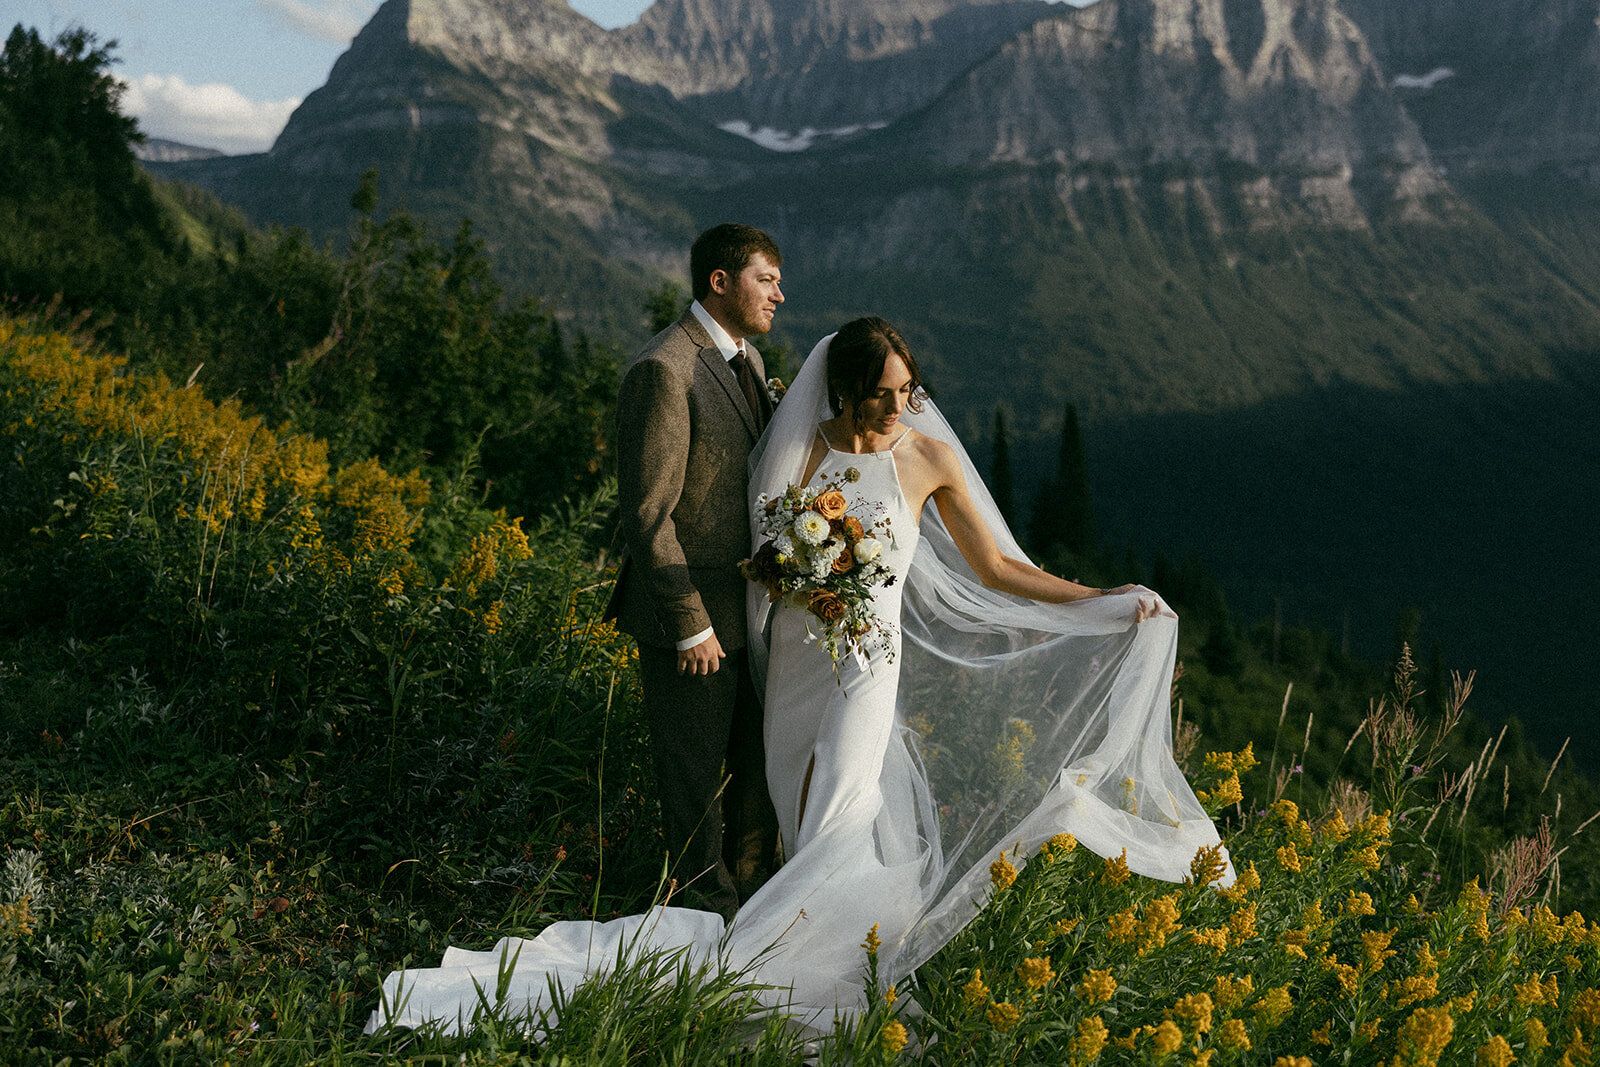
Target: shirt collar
[719,336]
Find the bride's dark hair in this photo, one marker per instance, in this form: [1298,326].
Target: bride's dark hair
[856,356]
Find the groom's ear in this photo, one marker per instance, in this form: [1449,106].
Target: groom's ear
[719,281]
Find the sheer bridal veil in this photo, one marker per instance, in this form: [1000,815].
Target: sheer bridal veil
[1016,720]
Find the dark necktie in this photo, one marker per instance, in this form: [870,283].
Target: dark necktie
[747,381]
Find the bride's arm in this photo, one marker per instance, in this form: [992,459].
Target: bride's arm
[976,542]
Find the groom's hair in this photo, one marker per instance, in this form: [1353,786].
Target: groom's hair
[856,356]
[727,247]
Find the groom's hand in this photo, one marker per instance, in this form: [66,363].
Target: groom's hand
[704,658]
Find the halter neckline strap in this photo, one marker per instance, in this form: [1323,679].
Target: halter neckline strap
[876,452]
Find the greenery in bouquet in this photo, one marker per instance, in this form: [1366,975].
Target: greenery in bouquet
[826,558]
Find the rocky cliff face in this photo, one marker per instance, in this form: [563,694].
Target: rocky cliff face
[1285,94]
[1511,87]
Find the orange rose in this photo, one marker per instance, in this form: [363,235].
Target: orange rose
[852,527]
[830,505]
[826,606]
[843,561]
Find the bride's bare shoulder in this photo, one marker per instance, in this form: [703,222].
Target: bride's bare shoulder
[931,452]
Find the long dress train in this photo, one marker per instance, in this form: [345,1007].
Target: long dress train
[997,723]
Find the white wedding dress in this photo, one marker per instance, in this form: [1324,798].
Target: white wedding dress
[997,723]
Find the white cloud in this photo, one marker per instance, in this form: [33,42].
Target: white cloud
[328,20]
[211,116]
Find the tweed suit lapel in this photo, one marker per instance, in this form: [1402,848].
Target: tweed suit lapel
[711,357]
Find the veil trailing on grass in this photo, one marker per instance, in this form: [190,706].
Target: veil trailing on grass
[1007,722]
[1015,720]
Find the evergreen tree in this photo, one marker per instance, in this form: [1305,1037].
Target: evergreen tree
[1000,470]
[77,215]
[1062,515]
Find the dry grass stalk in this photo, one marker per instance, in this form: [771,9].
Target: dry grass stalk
[1553,764]
[1518,868]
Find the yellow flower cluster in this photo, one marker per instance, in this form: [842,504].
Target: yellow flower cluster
[1090,1040]
[1160,922]
[1097,987]
[975,993]
[1195,1011]
[1423,1036]
[1002,873]
[16,920]
[1036,972]
[1003,1016]
[1273,1007]
[1233,1035]
[1228,991]
[893,1037]
[1208,865]
[1116,870]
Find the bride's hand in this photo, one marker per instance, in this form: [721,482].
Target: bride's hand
[1151,606]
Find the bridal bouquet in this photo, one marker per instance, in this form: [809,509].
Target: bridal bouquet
[824,559]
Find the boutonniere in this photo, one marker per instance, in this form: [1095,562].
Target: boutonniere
[775,390]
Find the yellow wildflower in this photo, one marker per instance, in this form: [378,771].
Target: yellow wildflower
[1061,844]
[1294,943]
[1244,883]
[1320,1036]
[893,1038]
[1367,859]
[1336,829]
[1358,904]
[1215,938]
[1496,1052]
[1311,916]
[1243,923]
[975,992]
[1036,972]
[1063,927]
[1207,865]
[1203,1058]
[1227,792]
[1529,993]
[1288,857]
[872,944]
[1535,1035]
[1232,1034]
[16,920]
[491,617]
[1287,811]
[1375,948]
[1292,1061]
[1001,873]
[890,996]
[1423,1037]
[1003,1016]
[1273,1007]
[1097,987]
[1116,870]
[1091,1039]
[1130,796]
[1167,1038]
[1586,1009]
[1195,1009]
[1122,926]
[1160,922]
[1227,990]
[1546,927]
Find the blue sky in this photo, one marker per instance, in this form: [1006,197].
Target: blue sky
[227,73]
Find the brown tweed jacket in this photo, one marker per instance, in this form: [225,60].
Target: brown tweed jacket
[684,434]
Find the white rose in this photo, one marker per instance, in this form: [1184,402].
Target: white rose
[868,549]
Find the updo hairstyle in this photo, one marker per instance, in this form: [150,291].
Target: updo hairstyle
[856,357]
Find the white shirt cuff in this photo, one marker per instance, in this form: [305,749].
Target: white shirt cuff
[689,642]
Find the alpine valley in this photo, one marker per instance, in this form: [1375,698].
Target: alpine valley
[1322,277]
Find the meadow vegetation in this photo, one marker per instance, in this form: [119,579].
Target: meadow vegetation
[295,691]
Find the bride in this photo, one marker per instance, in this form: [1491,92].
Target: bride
[1008,706]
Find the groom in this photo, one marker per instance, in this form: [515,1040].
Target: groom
[692,404]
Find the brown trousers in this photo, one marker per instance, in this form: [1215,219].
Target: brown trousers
[723,841]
